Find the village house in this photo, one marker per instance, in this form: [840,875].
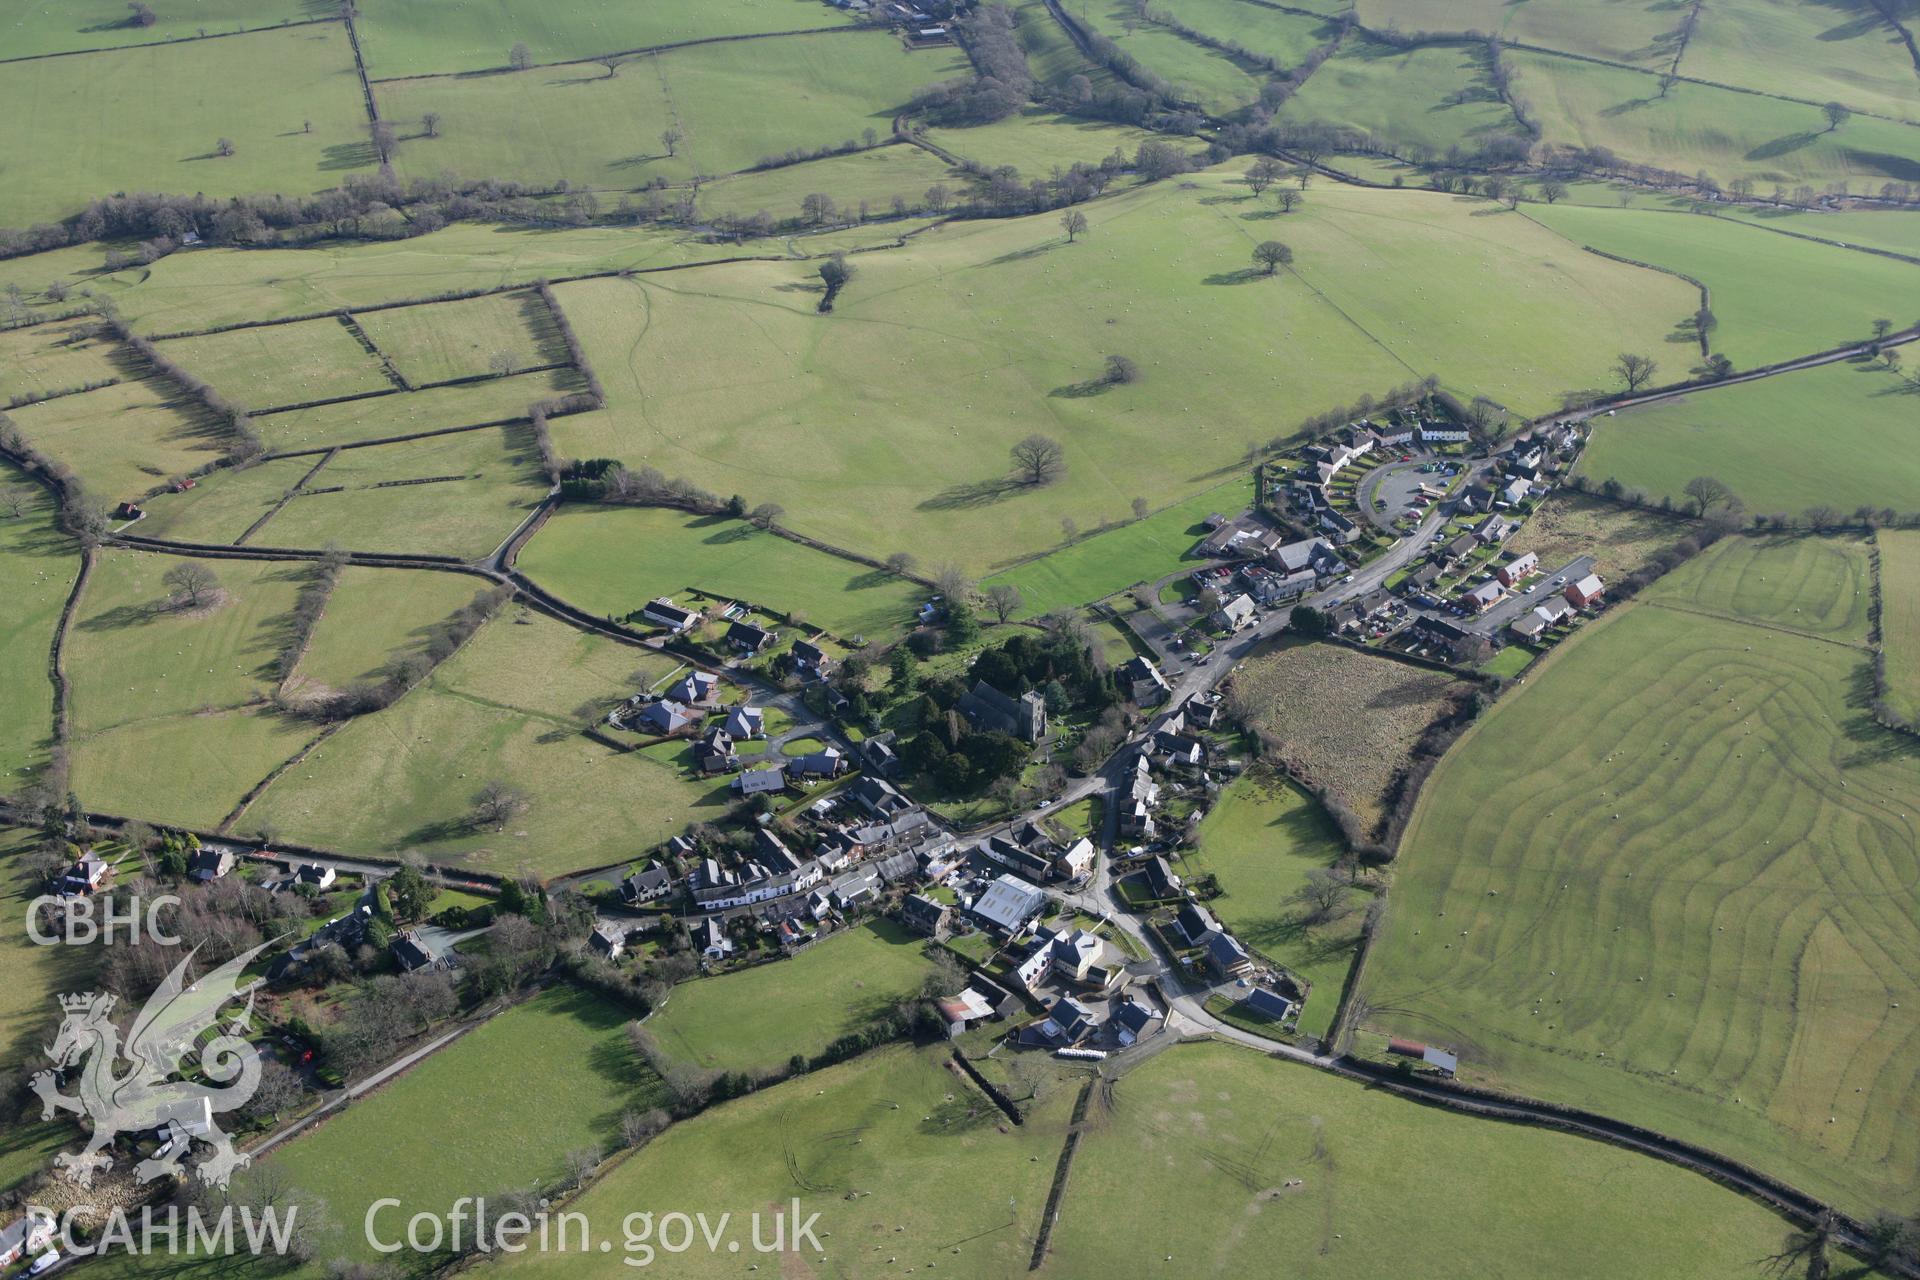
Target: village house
[210,864]
[1227,957]
[1270,1004]
[1554,609]
[667,717]
[1423,578]
[646,886]
[1585,593]
[880,798]
[609,940]
[926,916]
[1067,1023]
[24,1236]
[746,723]
[878,755]
[989,709]
[1159,878]
[714,753]
[827,762]
[1085,960]
[1195,922]
[1516,570]
[312,875]
[414,953]
[710,940]
[1339,528]
[696,689]
[1528,625]
[1492,529]
[1075,861]
[663,612]
[1132,1021]
[1459,549]
[1236,614]
[88,874]
[810,661]
[1451,640]
[745,637]
[763,781]
[1484,596]
[1516,491]
[1140,681]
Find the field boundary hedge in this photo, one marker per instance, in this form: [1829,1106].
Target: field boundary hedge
[641,52]
[161,44]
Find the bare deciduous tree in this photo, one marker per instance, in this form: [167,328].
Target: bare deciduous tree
[520,57]
[1272,255]
[1635,370]
[498,803]
[1708,492]
[191,583]
[1004,599]
[1039,459]
[1073,222]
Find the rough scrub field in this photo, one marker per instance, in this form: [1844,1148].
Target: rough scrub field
[1620,539]
[1676,879]
[1343,720]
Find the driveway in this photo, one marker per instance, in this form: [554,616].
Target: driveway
[1493,620]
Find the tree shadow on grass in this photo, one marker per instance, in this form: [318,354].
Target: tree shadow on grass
[1782,145]
[979,493]
[348,155]
[1081,390]
[1021,255]
[1264,214]
[1245,275]
[737,531]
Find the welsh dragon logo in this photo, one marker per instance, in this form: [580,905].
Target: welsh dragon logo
[148,1096]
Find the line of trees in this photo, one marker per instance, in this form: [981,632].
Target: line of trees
[308,605]
[575,352]
[1001,84]
[408,669]
[232,416]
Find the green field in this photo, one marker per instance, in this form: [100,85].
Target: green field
[1141,551]
[1252,1166]
[1775,296]
[1677,875]
[967,340]
[37,568]
[482,485]
[493,400]
[509,706]
[148,119]
[1838,435]
[416,37]
[1779,46]
[872,177]
[613,560]
[1435,96]
[281,365]
[906,1164]
[1900,618]
[1285,37]
[465,338]
[1216,83]
[43,359]
[756,1019]
[35,28]
[1895,230]
[185,770]
[373,615]
[126,439]
[1260,839]
[134,654]
[1697,127]
[1036,140]
[1636,31]
[735,103]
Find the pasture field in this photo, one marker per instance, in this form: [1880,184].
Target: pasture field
[462,339]
[47,358]
[1344,719]
[499,483]
[125,439]
[1140,551]
[615,559]
[168,106]
[223,505]
[1036,140]
[423,37]
[565,1043]
[282,365]
[1642,32]
[1212,1133]
[1371,302]
[507,706]
[406,412]
[1620,539]
[37,566]
[133,653]
[1775,297]
[1809,51]
[35,29]
[735,103]
[1754,437]
[31,975]
[1693,902]
[1260,840]
[1285,37]
[1895,230]
[755,1019]
[1436,96]
[873,177]
[1814,585]
[1052,56]
[189,769]
[1697,127]
[1218,84]
[375,614]
[1900,617]
[906,1164]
